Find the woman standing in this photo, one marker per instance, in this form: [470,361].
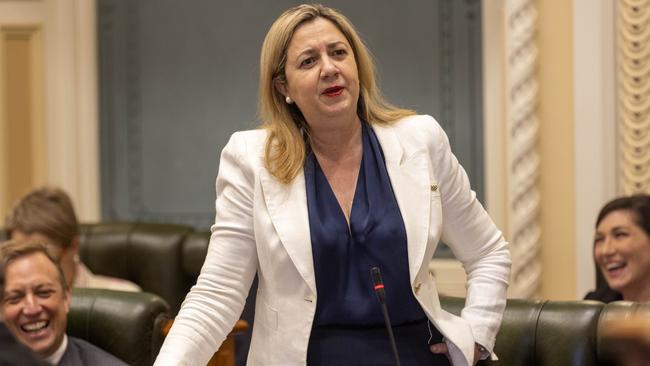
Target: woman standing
[336,182]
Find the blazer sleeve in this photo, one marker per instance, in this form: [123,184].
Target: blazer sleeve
[476,242]
[214,304]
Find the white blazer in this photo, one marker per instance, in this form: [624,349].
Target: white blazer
[262,227]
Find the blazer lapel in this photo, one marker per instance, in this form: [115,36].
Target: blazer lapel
[287,206]
[408,171]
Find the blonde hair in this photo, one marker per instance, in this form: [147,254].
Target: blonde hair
[286,147]
[47,211]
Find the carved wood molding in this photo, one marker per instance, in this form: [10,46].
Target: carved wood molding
[633,91]
[523,161]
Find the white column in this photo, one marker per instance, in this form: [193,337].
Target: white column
[71,103]
[595,125]
[522,158]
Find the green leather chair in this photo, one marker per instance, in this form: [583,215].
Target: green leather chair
[553,333]
[163,259]
[126,324]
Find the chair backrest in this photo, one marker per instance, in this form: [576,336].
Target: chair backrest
[614,313]
[161,258]
[549,333]
[567,333]
[195,249]
[515,343]
[126,324]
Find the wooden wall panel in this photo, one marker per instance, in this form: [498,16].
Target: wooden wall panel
[22,158]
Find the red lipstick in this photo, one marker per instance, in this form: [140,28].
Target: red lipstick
[333,91]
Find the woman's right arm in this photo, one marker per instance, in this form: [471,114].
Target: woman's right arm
[215,303]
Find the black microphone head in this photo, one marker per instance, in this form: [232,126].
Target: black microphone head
[378,284]
[375,273]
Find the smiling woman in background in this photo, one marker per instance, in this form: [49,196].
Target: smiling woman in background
[337,182]
[622,249]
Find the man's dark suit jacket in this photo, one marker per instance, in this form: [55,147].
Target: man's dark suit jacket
[81,353]
[13,352]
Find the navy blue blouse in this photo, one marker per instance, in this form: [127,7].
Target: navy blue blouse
[343,256]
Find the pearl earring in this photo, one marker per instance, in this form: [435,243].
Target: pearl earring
[288,100]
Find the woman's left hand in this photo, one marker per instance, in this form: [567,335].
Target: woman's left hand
[442,348]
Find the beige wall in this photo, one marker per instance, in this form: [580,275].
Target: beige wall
[594,78]
[48,101]
[556,147]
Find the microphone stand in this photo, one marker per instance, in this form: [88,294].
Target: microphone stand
[381,296]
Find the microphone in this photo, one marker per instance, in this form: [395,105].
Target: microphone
[375,273]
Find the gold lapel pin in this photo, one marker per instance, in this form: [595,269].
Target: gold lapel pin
[434,188]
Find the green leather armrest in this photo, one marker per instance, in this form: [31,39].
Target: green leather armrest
[125,324]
